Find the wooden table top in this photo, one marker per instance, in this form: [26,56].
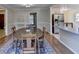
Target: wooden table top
[28,35]
[22,32]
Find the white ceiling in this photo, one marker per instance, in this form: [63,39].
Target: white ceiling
[20,6]
[74,6]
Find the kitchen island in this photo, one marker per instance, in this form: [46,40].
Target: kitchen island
[69,38]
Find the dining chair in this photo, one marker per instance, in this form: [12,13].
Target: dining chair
[29,43]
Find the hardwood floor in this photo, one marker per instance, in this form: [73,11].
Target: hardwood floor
[2,33]
[5,39]
[58,47]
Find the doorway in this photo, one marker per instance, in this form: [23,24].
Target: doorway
[2,23]
[57,20]
[52,23]
[34,19]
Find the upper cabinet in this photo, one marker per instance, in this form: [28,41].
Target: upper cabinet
[68,16]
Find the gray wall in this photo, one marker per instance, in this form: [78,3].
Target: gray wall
[43,17]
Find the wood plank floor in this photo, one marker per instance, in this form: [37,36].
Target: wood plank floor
[59,48]
[2,33]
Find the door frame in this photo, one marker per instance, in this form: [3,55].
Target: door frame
[5,19]
[6,22]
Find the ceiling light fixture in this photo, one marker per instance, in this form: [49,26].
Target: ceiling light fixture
[27,5]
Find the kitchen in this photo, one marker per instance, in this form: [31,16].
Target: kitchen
[69,32]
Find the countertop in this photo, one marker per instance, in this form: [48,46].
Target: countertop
[69,30]
[70,38]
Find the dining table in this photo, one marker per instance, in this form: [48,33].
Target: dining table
[25,34]
[19,33]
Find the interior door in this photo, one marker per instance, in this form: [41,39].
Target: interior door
[1,21]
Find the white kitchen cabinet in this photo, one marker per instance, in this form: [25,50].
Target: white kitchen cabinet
[68,16]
